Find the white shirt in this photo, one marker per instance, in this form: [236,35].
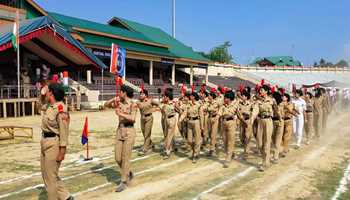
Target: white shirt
[300,105]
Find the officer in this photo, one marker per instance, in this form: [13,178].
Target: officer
[168,121]
[126,111]
[289,113]
[146,106]
[309,119]
[193,112]
[278,125]
[247,114]
[228,113]
[55,130]
[205,117]
[213,111]
[265,126]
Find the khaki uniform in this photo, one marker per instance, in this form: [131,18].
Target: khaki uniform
[182,123]
[169,125]
[247,114]
[326,105]
[278,129]
[193,112]
[288,126]
[229,125]
[213,111]
[146,109]
[318,115]
[125,139]
[205,120]
[55,121]
[309,124]
[265,128]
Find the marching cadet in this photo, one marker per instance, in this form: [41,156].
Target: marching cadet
[309,120]
[55,130]
[265,126]
[205,117]
[326,108]
[213,111]
[169,121]
[193,112]
[146,106]
[228,113]
[247,114]
[180,108]
[318,112]
[289,113]
[278,125]
[126,111]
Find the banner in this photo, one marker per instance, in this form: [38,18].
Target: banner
[118,56]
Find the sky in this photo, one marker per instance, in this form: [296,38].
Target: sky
[306,29]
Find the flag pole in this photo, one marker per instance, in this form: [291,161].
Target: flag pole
[18,57]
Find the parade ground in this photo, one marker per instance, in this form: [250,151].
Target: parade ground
[316,171]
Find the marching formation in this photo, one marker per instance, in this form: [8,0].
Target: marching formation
[207,120]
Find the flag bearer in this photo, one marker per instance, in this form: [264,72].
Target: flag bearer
[55,130]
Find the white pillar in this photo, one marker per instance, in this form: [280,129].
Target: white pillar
[173,74]
[206,75]
[191,75]
[88,76]
[151,72]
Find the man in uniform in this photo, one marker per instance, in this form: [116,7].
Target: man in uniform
[265,126]
[146,106]
[213,111]
[309,120]
[169,121]
[193,112]
[205,116]
[228,113]
[126,111]
[318,112]
[180,107]
[278,125]
[289,113]
[326,108]
[55,130]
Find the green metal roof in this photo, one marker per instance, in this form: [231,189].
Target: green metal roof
[156,34]
[175,49]
[279,60]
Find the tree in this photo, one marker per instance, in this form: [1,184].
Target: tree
[315,64]
[322,63]
[342,63]
[221,53]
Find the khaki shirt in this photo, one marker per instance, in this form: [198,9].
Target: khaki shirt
[213,108]
[265,106]
[147,107]
[168,110]
[127,107]
[229,110]
[310,105]
[318,105]
[288,110]
[56,119]
[247,110]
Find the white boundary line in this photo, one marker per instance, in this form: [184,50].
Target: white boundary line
[223,183]
[69,177]
[137,173]
[342,184]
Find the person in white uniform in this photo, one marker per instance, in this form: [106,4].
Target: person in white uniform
[298,121]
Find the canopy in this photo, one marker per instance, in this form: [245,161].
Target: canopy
[47,39]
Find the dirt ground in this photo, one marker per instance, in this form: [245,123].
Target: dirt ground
[311,172]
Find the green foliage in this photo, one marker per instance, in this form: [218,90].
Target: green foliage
[220,53]
[342,63]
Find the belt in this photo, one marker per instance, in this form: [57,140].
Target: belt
[171,116]
[229,118]
[147,115]
[275,118]
[287,118]
[214,115]
[264,117]
[49,134]
[126,125]
[193,118]
[309,111]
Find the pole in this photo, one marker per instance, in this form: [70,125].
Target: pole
[174,20]
[102,85]
[87,150]
[18,74]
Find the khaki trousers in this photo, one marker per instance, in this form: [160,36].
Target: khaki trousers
[169,133]
[229,133]
[264,135]
[309,125]
[146,128]
[205,128]
[123,149]
[278,129]
[49,169]
[194,137]
[246,133]
[213,128]
[318,124]
[287,134]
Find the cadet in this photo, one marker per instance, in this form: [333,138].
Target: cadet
[326,108]
[229,120]
[278,125]
[213,110]
[318,112]
[289,113]
[55,130]
[205,116]
[309,120]
[180,107]
[126,110]
[247,114]
[169,121]
[147,106]
[193,112]
[265,125]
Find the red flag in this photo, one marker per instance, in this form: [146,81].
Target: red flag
[114,59]
[84,135]
[192,87]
